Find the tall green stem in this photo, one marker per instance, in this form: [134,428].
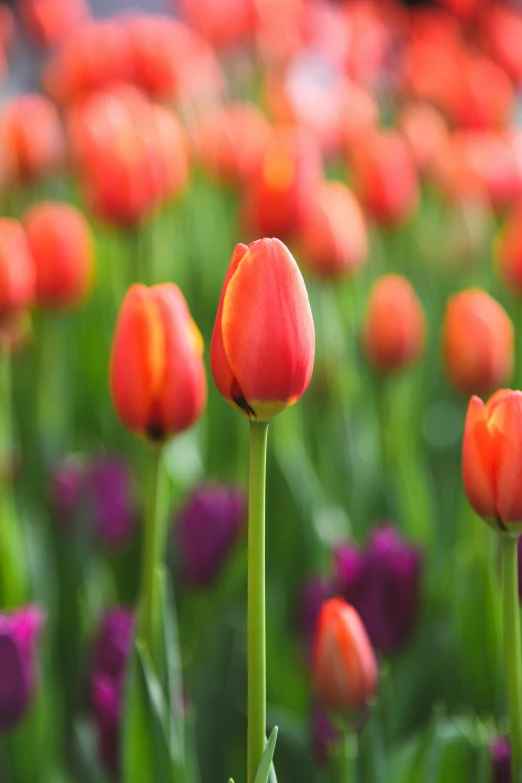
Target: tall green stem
[347,759]
[153,543]
[256,599]
[513,651]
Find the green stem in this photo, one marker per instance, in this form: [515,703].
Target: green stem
[347,757]
[513,651]
[256,600]
[153,544]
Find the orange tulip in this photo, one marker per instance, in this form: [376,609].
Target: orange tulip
[279,193]
[509,251]
[61,245]
[17,274]
[343,664]
[33,135]
[426,132]
[492,459]
[334,239]
[157,375]
[263,343]
[385,178]
[395,327]
[477,342]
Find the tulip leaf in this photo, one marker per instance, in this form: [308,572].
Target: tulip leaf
[264,772]
[137,756]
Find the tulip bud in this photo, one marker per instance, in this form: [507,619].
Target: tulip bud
[207,529]
[394,328]
[492,459]
[18,637]
[61,245]
[477,339]
[500,760]
[48,21]
[344,666]
[385,178]
[383,585]
[17,273]
[334,240]
[157,375]
[263,343]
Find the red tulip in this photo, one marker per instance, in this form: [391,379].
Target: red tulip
[223,22]
[48,21]
[344,666]
[263,343]
[278,195]
[477,341]
[509,251]
[17,274]
[501,28]
[492,459]
[395,327]
[334,240]
[157,375]
[385,178]
[426,132]
[62,248]
[33,135]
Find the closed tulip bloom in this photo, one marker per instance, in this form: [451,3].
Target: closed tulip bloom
[344,666]
[394,328]
[385,177]
[61,245]
[157,375]
[34,136]
[18,675]
[263,343]
[48,21]
[508,251]
[334,240]
[478,339]
[17,272]
[492,459]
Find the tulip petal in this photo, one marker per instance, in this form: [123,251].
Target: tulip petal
[478,460]
[267,327]
[221,371]
[183,391]
[505,425]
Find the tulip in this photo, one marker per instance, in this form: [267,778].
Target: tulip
[509,251]
[33,135]
[477,342]
[426,132]
[501,28]
[60,242]
[157,375]
[18,637]
[223,22]
[394,328]
[17,273]
[383,584]
[110,656]
[279,192]
[500,760]
[334,241]
[208,527]
[263,343]
[344,666]
[385,178]
[107,495]
[48,21]
[482,95]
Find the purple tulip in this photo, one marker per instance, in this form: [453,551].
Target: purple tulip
[208,527]
[109,493]
[110,656]
[324,734]
[383,584]
[19,633]
[501,760]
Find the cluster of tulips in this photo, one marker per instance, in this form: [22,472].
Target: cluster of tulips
[283,196]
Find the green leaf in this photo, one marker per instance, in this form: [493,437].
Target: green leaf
[137,749]
[264,771]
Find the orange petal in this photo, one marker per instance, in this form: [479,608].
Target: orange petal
[267,326]
[505,425]
[478,460]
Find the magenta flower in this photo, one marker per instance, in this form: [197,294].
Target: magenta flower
[19,634]
[501,760]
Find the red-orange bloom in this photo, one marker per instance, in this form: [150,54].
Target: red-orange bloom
[33,135]
[17,274]
[263,343]
[62,248]
[426,132]
[222,22]
[343,665]
[492,459]
[334,240]
[395,328]
[509,251]
[157,375]
[385,177]
[48,21]
[477,341]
